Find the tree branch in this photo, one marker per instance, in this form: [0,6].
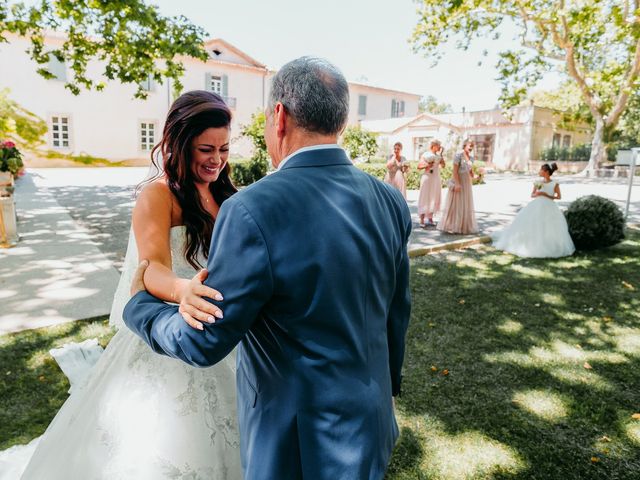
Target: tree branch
[625,91]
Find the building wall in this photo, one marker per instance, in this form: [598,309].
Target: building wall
[379,102]
[107,124]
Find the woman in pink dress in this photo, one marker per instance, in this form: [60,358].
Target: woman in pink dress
[397,167]
[459,216]
[430,183]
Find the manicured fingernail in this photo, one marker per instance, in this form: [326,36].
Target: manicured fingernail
[219,314]
[200,327]
[210,319]
[218,297]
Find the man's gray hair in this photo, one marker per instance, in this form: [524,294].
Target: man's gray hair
[314,93]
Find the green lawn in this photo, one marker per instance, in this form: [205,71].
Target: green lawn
[525,369]
[515,369]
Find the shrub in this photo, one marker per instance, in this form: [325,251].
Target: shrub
[359,143]
[594,222]
[10,158]
[248,172]
[379,170]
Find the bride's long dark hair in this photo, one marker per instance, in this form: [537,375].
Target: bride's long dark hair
[190,115]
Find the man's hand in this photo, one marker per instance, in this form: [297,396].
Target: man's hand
[137,284]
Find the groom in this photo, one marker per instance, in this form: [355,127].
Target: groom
[312,262]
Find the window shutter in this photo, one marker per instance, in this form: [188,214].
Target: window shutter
[152,84]
[402,108]
[207,82]
[57,68]
[225,86]
[362,105]
[393,107]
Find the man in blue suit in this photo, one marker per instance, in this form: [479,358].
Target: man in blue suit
[312,262]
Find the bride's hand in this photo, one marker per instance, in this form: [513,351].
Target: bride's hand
[193,308]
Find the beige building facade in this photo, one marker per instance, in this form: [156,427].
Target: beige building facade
[114,125]
[505,141]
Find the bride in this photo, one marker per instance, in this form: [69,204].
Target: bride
[540,229]
[141,415]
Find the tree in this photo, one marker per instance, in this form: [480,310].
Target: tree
[132,38]
[596,43]
[19,124]
[359,143]
[430,104]
[254,131]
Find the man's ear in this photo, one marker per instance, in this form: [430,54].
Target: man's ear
[280,119]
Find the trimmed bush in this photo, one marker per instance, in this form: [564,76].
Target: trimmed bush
[246,172]
[379,170]
[594,222]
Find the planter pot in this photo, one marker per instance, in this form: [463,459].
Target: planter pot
[6,179]
[8,222]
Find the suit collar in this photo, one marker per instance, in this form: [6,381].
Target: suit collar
[318,158]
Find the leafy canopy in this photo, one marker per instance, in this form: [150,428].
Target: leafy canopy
[133,40]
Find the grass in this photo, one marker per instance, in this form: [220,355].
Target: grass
[522,369]
[32,387]
[84,159]
[515,369]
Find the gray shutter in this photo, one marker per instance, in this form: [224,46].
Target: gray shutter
[207,82]
[225,86]
[393,107]
[152,83]
[402,108]
[362,105]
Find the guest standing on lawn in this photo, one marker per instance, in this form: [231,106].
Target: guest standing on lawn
[459,215]
[397,167]
[430,183]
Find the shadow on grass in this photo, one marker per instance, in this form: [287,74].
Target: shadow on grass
[32,386]
[541,360]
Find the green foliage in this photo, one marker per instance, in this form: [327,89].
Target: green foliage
[430,104]
[19,124]
[594,222]
[10,158]
[596,42]
[245,173]
[379,170]
[577,153]
[359,143]
[83,158]
[131,37]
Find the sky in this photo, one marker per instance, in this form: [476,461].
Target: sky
[366,39]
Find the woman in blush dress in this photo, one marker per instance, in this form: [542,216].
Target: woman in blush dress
[459,216]
[141,415]
[430,183]
[397,167]
[540,229]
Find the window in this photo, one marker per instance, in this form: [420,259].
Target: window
[60,132]
[148,84]
[483,147]
[557,139]
[147,136]
[362,105]
[397,108]
[566,141]
[216,85]
[57,68]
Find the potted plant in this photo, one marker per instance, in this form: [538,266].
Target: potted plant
[11,165]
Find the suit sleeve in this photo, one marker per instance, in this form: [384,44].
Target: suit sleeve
[239,268]
[400,311]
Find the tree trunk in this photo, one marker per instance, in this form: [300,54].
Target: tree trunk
[598,148]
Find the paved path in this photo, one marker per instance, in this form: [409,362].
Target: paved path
[74,226]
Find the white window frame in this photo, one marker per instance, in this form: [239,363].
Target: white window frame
[215,85]
[57,129]
[147,136]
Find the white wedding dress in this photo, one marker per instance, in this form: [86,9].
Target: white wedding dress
[538,231]
[143,416]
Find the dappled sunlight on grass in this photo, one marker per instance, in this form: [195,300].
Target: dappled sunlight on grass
[627,340]
[532,272]
[632,429]
[545,404]
[510,327]
[581,377]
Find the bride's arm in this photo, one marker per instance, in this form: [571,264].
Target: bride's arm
[152,226]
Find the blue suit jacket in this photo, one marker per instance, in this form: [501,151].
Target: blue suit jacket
[312,263]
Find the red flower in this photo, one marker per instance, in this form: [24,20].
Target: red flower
[9,144]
